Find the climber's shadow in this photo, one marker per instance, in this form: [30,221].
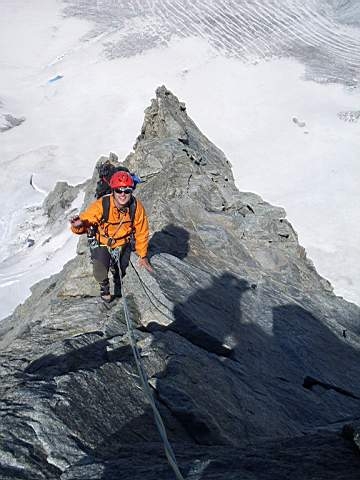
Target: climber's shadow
[171,239]
[212,316]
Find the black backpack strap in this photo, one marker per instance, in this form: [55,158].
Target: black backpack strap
[132,211]
[106,208]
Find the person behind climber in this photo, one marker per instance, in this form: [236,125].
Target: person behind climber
[122,228]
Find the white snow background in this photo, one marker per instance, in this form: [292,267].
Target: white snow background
[253,108]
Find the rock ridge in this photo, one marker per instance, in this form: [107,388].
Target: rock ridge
[242,340]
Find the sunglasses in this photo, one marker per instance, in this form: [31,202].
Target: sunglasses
[126,190]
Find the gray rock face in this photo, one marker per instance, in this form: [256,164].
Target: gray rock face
[59,200]
[352,116]
[252,359]
[8,121]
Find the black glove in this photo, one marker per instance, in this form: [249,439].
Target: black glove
[74,218]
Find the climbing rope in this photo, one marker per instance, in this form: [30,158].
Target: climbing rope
[143,376]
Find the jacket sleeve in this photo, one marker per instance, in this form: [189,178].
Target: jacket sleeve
[91,216]
[141,226]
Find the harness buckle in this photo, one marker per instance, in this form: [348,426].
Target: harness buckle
[111,241]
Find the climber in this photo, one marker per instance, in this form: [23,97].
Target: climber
[115,222]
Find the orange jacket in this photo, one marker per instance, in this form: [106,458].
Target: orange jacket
[118,226]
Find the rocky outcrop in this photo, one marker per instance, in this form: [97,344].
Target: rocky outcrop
[8,121]
[252,359]
[59,200]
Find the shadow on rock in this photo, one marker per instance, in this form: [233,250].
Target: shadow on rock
[229,381]
[171,239]
[314,353]
[79,357]
[211,317]
[134,451]
[203,335]
[209,396]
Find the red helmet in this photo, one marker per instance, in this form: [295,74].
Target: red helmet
[121,179]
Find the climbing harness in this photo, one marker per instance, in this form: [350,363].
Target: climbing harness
[116,253]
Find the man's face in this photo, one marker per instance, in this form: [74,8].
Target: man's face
[122,195]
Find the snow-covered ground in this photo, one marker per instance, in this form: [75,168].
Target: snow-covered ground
[280,129]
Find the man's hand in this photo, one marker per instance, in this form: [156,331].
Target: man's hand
[144,263]
[76,221]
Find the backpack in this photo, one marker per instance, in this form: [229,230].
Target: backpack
[106,170]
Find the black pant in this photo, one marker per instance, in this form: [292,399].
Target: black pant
[102,261]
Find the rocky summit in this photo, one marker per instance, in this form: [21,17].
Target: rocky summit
[252,360]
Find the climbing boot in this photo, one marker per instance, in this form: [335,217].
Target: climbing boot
[105,291]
